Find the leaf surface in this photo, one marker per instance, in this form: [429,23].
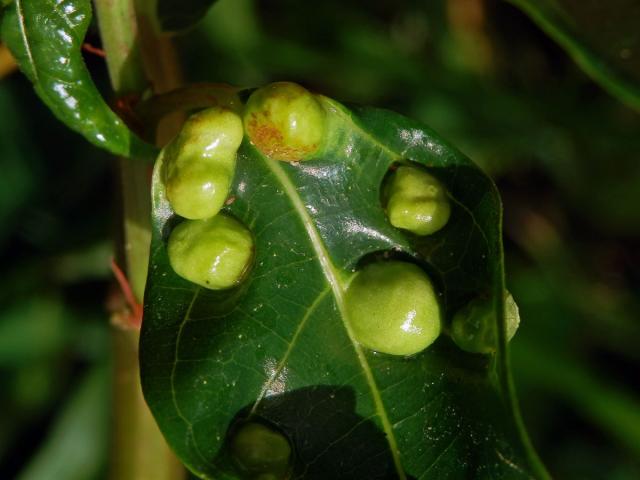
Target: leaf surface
[603,38]
[279,346]
[46,37]
[180,14]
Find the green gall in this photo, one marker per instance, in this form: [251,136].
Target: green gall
[417,201]
[285,122]
[199,189]
[213,253]
[261,452]
[200,162]
[473,327]
[393,308]
[210,133]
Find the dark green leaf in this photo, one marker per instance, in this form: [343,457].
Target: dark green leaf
[45,37]
[279,346]
[180,14]
[603,38]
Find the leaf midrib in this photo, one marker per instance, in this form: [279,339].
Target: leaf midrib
[338,289]
[27,45]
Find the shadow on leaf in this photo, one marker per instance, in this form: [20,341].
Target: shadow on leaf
[328,437]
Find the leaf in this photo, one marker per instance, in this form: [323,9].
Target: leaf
[180,14]
[45,37]
[278,345]
[32,329]
[76,446]
[603,38]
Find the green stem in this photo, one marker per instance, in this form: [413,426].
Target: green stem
[139,450]
[119,34]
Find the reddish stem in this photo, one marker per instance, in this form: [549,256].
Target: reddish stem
[134,319]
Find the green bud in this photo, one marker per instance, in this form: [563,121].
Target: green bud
[417,201]
[200,162]
[473,327]
[285,122]
[260,452]
[213,253]
[393,308]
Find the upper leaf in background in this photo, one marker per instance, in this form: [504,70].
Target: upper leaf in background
[279,347]
[46,37]
[602,37]
[180,14]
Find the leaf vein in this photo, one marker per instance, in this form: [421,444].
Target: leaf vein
[27,45]
[440,455]
[172,378]
[290,345]
[338,292]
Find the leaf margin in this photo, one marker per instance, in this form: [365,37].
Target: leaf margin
[506,384]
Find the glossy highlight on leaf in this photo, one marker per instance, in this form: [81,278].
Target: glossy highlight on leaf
[45,37]
[280,348]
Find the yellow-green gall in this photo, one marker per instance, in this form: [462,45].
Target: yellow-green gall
[417,201]
[473,327]
[198,190]
[261,452]
[285,122]
[393,308]
[210,133]
[213,253]
[200,162]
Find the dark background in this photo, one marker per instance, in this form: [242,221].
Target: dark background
[565,155]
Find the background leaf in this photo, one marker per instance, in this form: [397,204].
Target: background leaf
[77,443]
[277,346]
[181,14]
[46,37]
[602,37]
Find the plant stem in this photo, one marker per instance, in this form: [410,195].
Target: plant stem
[119,33]
[137,58]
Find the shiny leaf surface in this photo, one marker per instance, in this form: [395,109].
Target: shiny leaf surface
[603,38]
[45,37]
[280,348]
[181,14]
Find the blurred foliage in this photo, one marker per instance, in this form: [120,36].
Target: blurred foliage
[601,37]
[564,154]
